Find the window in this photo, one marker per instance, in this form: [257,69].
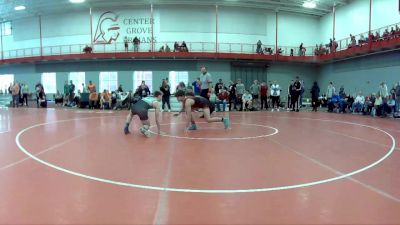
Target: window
[6,28]
[146,76]
[108,81]
[175,77]
[5,81]
[78,78]
[49,82]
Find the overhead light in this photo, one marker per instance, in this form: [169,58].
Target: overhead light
[19,7]
[309,4]
[76,1]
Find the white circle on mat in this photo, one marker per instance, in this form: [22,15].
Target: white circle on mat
[194,190]
[275,131]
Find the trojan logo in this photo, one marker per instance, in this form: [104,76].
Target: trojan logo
[107,29]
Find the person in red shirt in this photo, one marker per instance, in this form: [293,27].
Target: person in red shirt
[223,97]
[264,95]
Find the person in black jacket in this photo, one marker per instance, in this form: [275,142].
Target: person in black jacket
[314,96]
[166,91]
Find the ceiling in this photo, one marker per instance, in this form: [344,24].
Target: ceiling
[44,7]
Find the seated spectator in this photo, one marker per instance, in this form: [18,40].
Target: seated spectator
[247,100]
[391,105]
[377,36]
[223,97]
[161,49]
[143,90]
[334,103]
[279,52]
[42,99]
[167,48]
[369,104]
[350,101]
[181,86]
[58,99]
[386,34]
[362,40]
[324,100]
[268,51]
[87,49]
[105,100]
[392,33]
[184,48]
[176,47]
[358,103]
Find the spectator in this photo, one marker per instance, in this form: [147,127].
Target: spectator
[240,89]
[120,88]
[314,96]
[184,47]
[232,96]
[84,89]
[25,93]
[383,91]
[126,43]
[58,98]
[42,101]
[136,43]
[264,95]
[342,93]
[161,49]
[255,92]
[275,95]
[369,104]
[259,47]
[223,97]
[377,108]
[358,103]
[333,103]
[290,92]
[301,50]
[143,90]
[218,86]
[350,101]
[93,97]
[247,101]
[197,86]
[15,94]
[296,94]
[291,52]
[330,90]
[176,47]
[167,48]
[39,92]
[71,92]
[105,100]
[181,86]
[302,89]
[87,49]
[391,105]
[205,83]
[398,97]
[66,90]
[165,89]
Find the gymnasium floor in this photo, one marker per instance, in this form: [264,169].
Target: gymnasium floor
[77,167]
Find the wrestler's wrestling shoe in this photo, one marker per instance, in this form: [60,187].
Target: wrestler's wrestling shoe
[145,132]
[193,127]
[126,130]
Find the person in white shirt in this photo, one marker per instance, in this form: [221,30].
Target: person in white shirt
[358,103]
[275,95]
[247,100]
[330,90]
